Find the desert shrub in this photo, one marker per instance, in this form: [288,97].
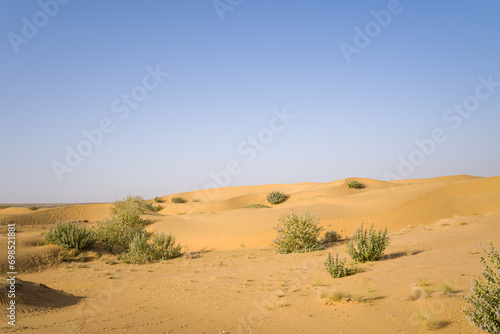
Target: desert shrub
[297,233]
[330,237]
[276,197]
[35,207]
[353,184]
[257,206]
[178,200]
[4,206]
[367,245]
[70,236]
[484,302]
[114,232]
[150,247]
[337,268]
[158,199]
[195,200]
[129,210]
[155,208]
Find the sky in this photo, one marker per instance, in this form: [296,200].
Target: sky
[100,99]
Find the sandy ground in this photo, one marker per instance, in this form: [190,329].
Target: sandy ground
[231,279]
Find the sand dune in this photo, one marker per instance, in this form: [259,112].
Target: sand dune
[231,279]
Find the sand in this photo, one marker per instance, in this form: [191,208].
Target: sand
[231,279]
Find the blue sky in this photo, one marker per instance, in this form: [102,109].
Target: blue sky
[68,66]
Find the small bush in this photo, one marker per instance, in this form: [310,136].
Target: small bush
[158,199]
[330,237]
[114,232]
[129,210]
[154,208]
[297,233]
[463,223]
[336,267]
[70,236]
[257,206]
[276,197]
[353,184]
[178,200]
[146,248]
[195,200]
[35,207]
[484,302]
[367,245]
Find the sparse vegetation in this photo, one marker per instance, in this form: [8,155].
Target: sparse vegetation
[429,322]
[154,208]
[337,268]
[114,232]
[151,247]
[158,199]
[35,207]
[195,200]
[178,200]
[330,237]
[70,236]
[276,197]
[446,288]
[257,206]
[484,302]
[368,245]
[4,206]
[463,223]
[129,210]
[298,233]
[353,184]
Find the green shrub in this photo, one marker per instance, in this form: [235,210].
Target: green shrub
[297,233]
[35,207]
[155,208]
[178,200]
[146,248]
[114,232]
[158,199]
[355,184]
[129,210]
[276,197]
[484,302]
[336,267]
[257,206]
[330,237]
[367,245]
[70,236]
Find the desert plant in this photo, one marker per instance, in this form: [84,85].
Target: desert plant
[70,236]
[146,248]
[330,237]
[4,206]
[35,207]
[353,184]
[337,268]
[114,232]
[195,200]
[367,245]
[257,206]
[154,208]
[158,199]
[178,200]
[484,302]
[129,210]
[276,197]
[297,233]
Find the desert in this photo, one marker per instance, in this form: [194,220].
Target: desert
[230,279]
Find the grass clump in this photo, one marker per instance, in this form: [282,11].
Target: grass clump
[195,200]
[297,233]
[154,208]
[446,288]
[367,245]
[35,207]
[353,184]
[70,236]
[484,302]
[463,223]
[337,268]
[429,322]
[330,237]
[158,199]
[178,200]
[276,197]
[257,206]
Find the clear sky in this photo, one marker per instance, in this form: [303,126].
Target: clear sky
[100,99]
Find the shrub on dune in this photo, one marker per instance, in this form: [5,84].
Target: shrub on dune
[276,197]
[151,247]
[367,245]
[178,200]
[70,236]
[297,233]
[337,268]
